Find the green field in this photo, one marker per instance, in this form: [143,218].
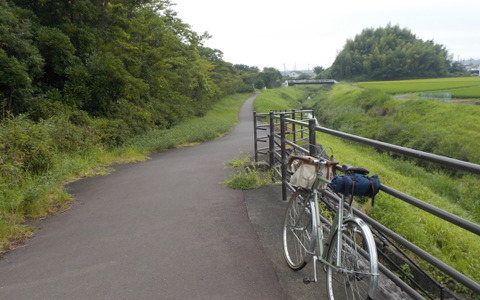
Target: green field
[461,87]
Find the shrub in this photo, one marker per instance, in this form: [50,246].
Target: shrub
[111,133]
[25,145]
[69,137]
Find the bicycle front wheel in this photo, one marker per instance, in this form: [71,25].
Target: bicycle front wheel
[297,230]
[356,275]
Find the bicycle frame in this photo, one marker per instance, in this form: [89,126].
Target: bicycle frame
[353,257]
[317,230]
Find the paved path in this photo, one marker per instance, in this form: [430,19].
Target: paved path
[161,229]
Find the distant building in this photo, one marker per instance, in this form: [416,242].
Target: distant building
[294,74]
[473,69]
[301,74]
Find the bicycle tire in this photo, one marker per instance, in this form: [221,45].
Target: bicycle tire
[357,276]
[297,230]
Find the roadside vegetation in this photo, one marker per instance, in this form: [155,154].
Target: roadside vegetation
[35,167]
[361,111]
[247,175]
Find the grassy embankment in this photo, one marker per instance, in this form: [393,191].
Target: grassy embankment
[28,194]
[359,110]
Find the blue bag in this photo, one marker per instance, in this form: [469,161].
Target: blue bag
[356,184]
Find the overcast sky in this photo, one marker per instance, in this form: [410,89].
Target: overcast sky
[302,34]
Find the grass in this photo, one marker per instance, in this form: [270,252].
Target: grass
[246,175]
[464,93]
[35,196]
[461,87]
[219,120]
[448,129]
[451,244]
[280,99]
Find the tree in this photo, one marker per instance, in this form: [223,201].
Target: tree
[271,78]
[318,71]
[390,53]
[132,60]
[249,76]
[20,61]
[304,76]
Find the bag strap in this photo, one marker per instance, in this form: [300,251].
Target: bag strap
[349,187]
[374,191]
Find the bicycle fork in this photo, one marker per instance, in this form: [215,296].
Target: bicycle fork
[317,234]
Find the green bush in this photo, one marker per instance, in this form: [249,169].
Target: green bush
[44,108]
[137,118]
[69,137]
[112,132]
[25,145]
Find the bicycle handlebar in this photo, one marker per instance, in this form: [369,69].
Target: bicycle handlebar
[310,160]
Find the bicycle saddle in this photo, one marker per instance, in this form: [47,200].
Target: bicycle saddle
[351,169]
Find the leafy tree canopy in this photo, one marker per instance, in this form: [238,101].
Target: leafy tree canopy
[391,53]
[132,60]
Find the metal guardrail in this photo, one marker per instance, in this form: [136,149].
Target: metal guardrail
[300,127]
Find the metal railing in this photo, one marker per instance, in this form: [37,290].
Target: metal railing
[284,131]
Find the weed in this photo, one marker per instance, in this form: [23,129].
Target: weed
[247,175]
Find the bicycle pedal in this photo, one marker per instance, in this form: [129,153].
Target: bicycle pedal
[307,280]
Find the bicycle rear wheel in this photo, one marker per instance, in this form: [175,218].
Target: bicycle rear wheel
[297,231]
[357,275]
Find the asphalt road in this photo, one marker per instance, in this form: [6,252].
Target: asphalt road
[160,229]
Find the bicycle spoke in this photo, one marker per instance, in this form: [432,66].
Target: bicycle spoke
[297,231]
[354,278]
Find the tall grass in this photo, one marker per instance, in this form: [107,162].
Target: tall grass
[458,195]
[451,244]
[449,129]
[26,194]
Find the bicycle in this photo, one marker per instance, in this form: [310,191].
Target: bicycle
[348,252]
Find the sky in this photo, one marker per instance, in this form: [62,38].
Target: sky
[302,34]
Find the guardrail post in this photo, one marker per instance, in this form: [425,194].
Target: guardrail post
[255,135]
[312,137]
[294,131]
[271,142]
[284,157]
